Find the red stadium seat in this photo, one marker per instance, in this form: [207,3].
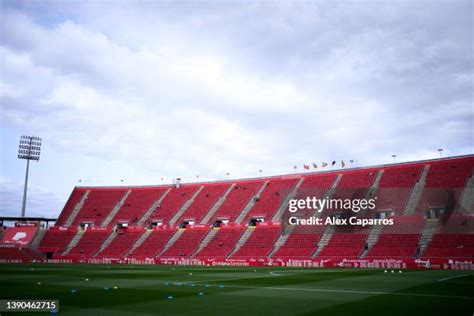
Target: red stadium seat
[453,239]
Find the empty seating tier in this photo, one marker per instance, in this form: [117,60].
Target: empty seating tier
[71,203]
[396,187]
[259,244]
[12,253]
[89,244]
[171,204]
[222,243]
[56,241]
[344,246]
[444,184]
[391,246]
[271,198]
[203,202]
[153,245]
[120,244]
[354,184]
[439,193]
[98,205]
[137,203]
[236,200]
[452,246]
[450,173]
[314,186]
[299,245]
[186,244]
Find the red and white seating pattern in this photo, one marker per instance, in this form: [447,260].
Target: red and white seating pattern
[271,198]
[187,243]
[137,203]
[396,187]
[222,243]
[56,241]
[344,246]
[453,240]
[444,184]
[237,199]
[75,197]
[203,202]
[153,245]
[452,246]
[259,244]
[120,244]
[89,243]
[99,203]
[173,202]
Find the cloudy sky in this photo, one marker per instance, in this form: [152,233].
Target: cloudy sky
[158,89]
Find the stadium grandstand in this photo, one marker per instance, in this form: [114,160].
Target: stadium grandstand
[244,222]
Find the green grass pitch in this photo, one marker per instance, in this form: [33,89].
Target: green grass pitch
[147,290]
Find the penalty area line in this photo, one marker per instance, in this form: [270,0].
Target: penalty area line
[347,291]
[454,277]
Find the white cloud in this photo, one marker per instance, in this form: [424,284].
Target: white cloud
[157,91]
[40,202]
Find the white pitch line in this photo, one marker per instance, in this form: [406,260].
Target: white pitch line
[308,271]
[325,290]
[228,279]
[454,277]
[347,291]
[289,273]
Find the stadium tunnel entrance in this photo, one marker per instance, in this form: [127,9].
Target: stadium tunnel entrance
[254,220]
[220,222]
[155,223]
[186,223]
[85,225]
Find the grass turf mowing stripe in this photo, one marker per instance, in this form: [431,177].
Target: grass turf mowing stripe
[144,290]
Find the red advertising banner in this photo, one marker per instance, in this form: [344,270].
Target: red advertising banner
[19,235]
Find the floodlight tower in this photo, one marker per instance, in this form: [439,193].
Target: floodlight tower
[29,149]
[440,152]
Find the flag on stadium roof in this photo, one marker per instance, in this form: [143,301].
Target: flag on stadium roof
[343,164]
[315,166]
[306,167]
[324,164]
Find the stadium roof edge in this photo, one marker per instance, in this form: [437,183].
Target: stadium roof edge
[27,219]
[284,176]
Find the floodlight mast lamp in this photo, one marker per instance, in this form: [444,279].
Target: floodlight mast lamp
[29,149]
